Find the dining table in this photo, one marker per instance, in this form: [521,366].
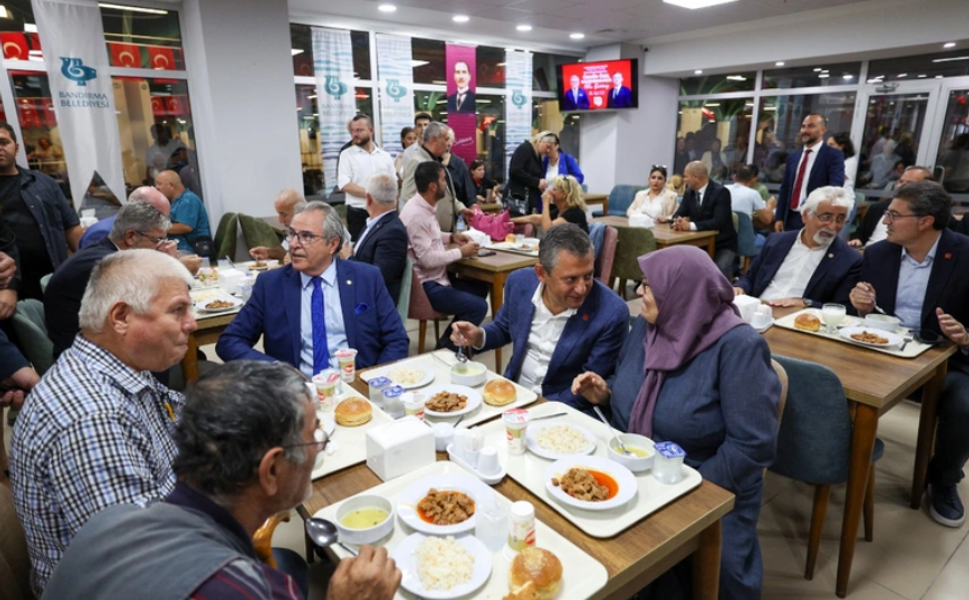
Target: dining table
[688,527]
[874,383]
[209,328]
[666,236]
[591,198]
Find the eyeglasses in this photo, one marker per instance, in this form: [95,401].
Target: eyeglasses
[319,437]
[305,238]
[828,217]
[891,216]
[157,240]
[659,167]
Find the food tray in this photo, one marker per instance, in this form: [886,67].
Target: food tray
[350,442]
[912,350]
[577,583]
[529,470]
[509,247]
[209,293]
[440,364]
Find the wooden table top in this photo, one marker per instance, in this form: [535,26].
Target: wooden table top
[499,262]
[868,376]
[594,197]
[664,235]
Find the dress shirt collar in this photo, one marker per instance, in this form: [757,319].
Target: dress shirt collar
[131,381]
[186,497]
[815,148]
[539,301]
[372,220]
[361,150]
[423,204]
[329,276]
[464,91]
[702,191]
[929,258]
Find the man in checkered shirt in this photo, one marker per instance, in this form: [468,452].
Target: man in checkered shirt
[97,429]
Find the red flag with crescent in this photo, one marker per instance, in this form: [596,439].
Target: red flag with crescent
[158,107]
[125,55]
[29,116]
[162,58]
[178,105]
[14,45]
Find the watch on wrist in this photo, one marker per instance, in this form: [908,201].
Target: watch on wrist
[806,301]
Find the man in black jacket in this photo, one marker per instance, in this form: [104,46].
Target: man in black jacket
[383,243]
[706,206]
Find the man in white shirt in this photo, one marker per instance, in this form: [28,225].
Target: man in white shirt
[808,267]
[560,321]
[160,152]
[745,199]
[287,203]
[357,163]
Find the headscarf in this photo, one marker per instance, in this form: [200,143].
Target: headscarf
[695,303]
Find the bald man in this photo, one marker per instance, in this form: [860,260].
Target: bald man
[100,230]
[287,201]
[189,219]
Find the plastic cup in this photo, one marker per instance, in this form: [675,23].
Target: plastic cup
[488,461]
[347,359]
[413,403]
[516,422]
[668,467]
[491,525]
[327,388]
[376,389]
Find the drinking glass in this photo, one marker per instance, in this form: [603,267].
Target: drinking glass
[832,315]
[491,525]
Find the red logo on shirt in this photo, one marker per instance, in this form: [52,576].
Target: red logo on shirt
[948,255]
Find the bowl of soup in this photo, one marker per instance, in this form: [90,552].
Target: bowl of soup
[639,447]
[469,373]
[364,519]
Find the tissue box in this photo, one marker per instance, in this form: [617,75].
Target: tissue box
[399,447]
[747,305]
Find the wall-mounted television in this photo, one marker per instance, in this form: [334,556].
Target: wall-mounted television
[599,85]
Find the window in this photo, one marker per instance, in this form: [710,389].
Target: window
[143,39]
[953,157]
[717,132]
[428,61]
[953,63]
[40,136]
[718,84]
[301,38]
[893,126]
[812,76]
[490,67]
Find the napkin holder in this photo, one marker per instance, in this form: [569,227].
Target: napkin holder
[229,279]
[641,220]
[747,305]
[400,447]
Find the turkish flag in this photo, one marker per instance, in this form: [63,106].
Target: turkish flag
[14,45]
[178,106]
[125,55]
[161,58]
[158,107]
[28,113]
[47,105]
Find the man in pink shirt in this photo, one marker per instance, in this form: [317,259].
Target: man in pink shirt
[463,298]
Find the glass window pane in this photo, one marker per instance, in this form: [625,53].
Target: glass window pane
[812,75]
[432,103]
[142,39]
[301,39]
[779,127]
[893,127]
[18,44]
[953,156]
[360,41]
[545,70]
[309,139]
[952,63]
[716,132]
[41,138]
[718,84]
[428,59]
[490,67]
[491,135]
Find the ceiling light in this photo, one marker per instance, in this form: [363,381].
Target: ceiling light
[847,77]
[921,76]
[151,11]
[817,69]
[736,78]
[4,13]
[938,77]
[949,45]
[577,36]
[297,51]
[524,28]
[954,58]
[460,18]
[418,63]
[779,63]
[712,104]
[311,97]
[823,75]
[900,75]
[695,4]
[387,8]
[698,72]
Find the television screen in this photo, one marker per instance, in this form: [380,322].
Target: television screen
[601,85]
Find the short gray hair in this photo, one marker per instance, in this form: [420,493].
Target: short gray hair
[382,188]
[134,277]
[332,225]
[837,196]
[434,129]
[564,236]
[138,216]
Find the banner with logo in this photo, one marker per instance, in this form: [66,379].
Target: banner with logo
[518,101]
[461,100]
[333,63]
[82,92]
[396,80]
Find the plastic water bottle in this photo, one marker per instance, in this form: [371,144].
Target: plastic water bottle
[461,227]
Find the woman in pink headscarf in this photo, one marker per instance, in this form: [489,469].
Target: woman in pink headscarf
[692,372]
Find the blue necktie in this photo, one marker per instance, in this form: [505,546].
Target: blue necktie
[321,354]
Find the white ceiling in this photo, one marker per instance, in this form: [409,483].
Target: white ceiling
[494,21]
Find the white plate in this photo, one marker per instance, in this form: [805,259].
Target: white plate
[531,440]
[406,561]
[328,425]
[893,338]
[236,303]
[474,399]
[409,498]
[623,476]
[428,377]
[765,327]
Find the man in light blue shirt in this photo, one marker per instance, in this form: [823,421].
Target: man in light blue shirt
[336,335]
[189,219]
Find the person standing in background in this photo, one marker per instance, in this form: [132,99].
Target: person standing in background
[357,163]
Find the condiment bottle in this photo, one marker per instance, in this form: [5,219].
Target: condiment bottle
[521,528]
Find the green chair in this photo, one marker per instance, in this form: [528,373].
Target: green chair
[633,243]
[44,281]
[28,323]
[226,235]
[256,232]
[403,303]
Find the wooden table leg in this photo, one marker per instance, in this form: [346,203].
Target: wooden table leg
[706,564]
[862,444]
[927,421]
[497,299]
[712,248]
[190,362]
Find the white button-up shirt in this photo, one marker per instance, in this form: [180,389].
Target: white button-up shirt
[357,165]
[813,156]
[542,338]
[795,272]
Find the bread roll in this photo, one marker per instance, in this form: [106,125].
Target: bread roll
[352,412]
[539,567]
[510,238]
[807,322]
[499,392]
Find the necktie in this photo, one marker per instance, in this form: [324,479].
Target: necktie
[460,100]
[796,192]
[321,354]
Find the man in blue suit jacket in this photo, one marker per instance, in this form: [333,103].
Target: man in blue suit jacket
[383,243]
[811,266]
[560,321]
[575,97]
[349,308]
[619,96]
[821,165]
[919,275]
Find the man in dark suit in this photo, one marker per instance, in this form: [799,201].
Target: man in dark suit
[706,206]
[560,321]
[575,96]
[815,165]
[383,243]
[872,228]
[919,275]
[619,95]
[463,100]
[811,266]
[317,304]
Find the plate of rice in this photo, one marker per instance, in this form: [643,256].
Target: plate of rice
[410,378]
[557,439]
[442,568]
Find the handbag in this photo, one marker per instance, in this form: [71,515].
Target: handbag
[495,225]
[518,206]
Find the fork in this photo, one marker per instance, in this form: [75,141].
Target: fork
[908,338]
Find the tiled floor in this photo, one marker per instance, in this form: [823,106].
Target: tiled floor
[911,556]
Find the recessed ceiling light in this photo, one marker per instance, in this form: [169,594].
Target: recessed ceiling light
[524,28]
[817,69]
[938,77]
[900,75]
[151,11]
[698,72]
[387,8]
[460,18]
[577,36]
[823,75]
[695,4]
[846,77]
[921,76]
[949,45]
[779,63]
[736,78]
[954,58]
[30,27]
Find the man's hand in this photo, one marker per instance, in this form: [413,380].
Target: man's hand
[469,249]
[739,291]
[461,238]
[854,243]
[952,329]
[169,247]
[787,303]
[372,575]
[346,251]
[681,224]
[467,213]
[259,252]
[464,334]
[23,380]
[8,303]
[8,267]
[662,219]
[192,262]
[592,387]
[778,227]
[862,297]
[542,184]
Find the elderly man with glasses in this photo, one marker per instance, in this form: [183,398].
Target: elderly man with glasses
[317,304]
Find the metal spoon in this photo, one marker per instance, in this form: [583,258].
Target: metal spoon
[877,308]
[614,434]
[324,534]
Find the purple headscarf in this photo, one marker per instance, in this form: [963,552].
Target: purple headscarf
[695,303]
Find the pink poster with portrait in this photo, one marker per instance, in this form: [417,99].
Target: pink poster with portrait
[461,100]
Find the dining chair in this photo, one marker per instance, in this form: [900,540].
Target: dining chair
[226,235]
[14,558]
[607,256]
[633,243]
[256,232]
[814,444]
[621,197]
[746,241]
[403,302]
[421,310]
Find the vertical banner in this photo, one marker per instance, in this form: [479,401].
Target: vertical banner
[396,80]
[518,103]
[461,101]
[333,63]
[83,97]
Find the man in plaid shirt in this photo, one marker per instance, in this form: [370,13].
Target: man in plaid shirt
[97,429]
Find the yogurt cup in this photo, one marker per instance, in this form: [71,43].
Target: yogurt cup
[516,422]
[414,404]
[327,384]
[347,359]
[668,467]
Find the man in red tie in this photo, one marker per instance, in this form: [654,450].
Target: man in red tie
[816,165]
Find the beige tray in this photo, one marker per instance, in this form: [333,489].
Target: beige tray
[529,470]
[582,576]
[912,350]
[350,443]
[509,247]
[439,364]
